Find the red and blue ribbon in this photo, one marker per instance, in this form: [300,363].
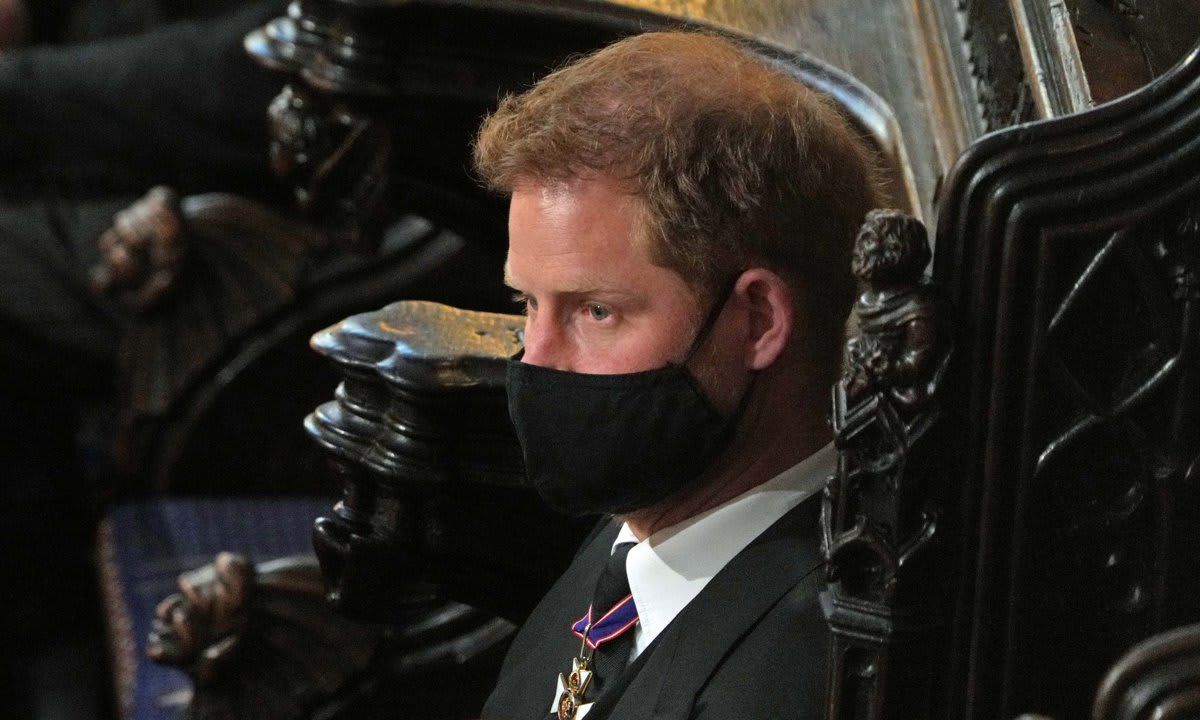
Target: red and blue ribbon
[610,626]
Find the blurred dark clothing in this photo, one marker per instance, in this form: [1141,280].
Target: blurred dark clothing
[85,129]
[53,326]
[57,350]
[85,20]
[181,105]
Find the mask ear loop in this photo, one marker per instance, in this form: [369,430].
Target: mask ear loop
[710,319]
[732,421]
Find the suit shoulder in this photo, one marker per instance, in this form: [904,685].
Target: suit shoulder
[779,667]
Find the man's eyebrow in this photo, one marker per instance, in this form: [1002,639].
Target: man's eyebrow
[594,289]
[586,286]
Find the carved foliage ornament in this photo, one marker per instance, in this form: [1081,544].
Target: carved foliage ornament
[1068,250]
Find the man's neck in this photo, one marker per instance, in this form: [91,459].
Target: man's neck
[756,456]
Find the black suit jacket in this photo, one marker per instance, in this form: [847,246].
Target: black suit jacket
[752,644]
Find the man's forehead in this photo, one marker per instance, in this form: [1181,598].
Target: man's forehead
[576,199]
[580,235]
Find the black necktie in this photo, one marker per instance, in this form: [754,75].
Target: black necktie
[610,657]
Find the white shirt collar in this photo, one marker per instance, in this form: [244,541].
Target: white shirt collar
[669,569]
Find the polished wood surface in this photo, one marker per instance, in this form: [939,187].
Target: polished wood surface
[1070,249]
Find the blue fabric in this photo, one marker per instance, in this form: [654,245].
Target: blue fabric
[150,543]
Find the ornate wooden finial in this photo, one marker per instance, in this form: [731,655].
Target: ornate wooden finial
[335,156]
[419,437]
[880,511]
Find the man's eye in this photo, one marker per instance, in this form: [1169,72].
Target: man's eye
[598,312]
[526,302]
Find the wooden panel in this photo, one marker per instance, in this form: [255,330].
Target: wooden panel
[1071,249]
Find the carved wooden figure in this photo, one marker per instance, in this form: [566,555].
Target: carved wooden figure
[880,511]
[893,339]
[238,631]
[261,643]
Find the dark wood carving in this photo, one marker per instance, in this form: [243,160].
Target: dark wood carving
[1124,44]
[430,69]
[880,512]
[1159,679]
[293,41]
[201,273]
[244,263]
[1070,251]
[261,643]
[258,642]
[142,252]
[995,59]
[337,158]
[225,290]
[433,480]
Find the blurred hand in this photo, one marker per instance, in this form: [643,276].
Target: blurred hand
[141,254]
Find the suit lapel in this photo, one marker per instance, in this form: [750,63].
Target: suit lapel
[685,655]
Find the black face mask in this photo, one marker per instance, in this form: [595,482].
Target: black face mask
[615,443]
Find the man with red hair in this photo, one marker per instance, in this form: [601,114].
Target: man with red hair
[680,230]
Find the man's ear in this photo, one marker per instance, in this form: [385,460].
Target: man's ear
[771,315]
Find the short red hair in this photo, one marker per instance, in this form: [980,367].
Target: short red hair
[735,162]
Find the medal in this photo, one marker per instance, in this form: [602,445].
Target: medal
[574,686]
[571,703]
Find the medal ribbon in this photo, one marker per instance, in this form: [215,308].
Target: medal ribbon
[612,625]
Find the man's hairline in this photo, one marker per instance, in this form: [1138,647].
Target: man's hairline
[642,234]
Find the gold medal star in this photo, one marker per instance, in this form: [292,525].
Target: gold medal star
[575,686]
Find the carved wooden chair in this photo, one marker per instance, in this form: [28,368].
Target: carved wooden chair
[1011,511]
[365,80]
[996,553]
[368,87]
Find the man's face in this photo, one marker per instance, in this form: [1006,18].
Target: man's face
[595,302]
